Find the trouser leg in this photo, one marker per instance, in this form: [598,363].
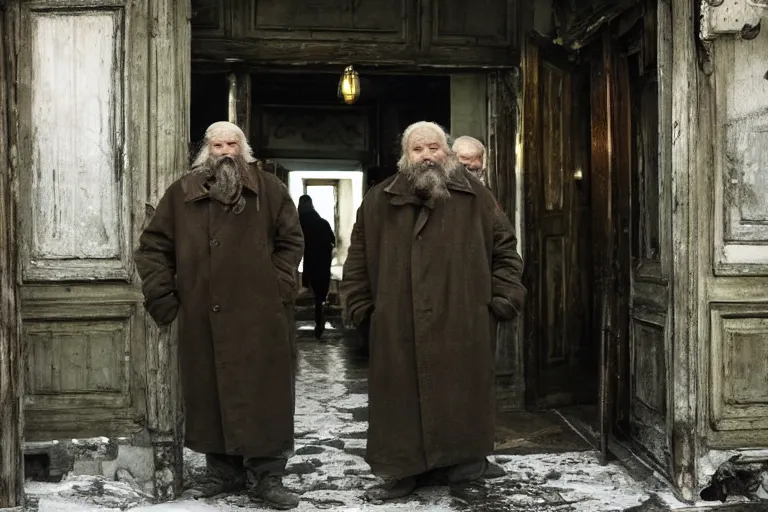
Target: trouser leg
[319,318]
[224,467]
[260,466]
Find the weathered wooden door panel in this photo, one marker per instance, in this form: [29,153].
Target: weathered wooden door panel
[103,129]
[11,358]
[75,221]
[369,20]
[211,18]
[644,242]
[559,343]
[446,32]
[290,30]
[649,305]
[732,242]
[84,341]
[464,29]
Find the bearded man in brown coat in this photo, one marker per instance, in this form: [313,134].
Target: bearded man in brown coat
[222,251]
[431,267]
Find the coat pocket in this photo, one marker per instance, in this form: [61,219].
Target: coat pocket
[163,310]
[286,289]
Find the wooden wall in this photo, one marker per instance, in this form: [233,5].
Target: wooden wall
[453,32]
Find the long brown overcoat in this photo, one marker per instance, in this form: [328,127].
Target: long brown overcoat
[232,280]
[435,282]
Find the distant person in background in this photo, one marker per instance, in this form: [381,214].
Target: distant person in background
[471,153]
[319,241]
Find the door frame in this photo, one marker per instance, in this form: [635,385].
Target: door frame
[11,351]
[604,100]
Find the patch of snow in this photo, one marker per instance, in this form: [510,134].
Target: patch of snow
[329,471]
[545,482]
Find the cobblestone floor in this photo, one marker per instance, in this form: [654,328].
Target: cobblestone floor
[329,472]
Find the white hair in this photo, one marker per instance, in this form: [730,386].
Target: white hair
[420,126]
[471,143]
[219,130]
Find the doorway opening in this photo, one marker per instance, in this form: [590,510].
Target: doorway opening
[561,340]
[336,188]
[596,326]
[335,152]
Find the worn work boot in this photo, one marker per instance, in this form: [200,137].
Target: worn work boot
[213,486]
[224,474]
[465,480]
[493,470]
[391,490]
[471,492]
[469,472]
[270,491]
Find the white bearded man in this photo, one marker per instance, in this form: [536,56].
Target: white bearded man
[221,252]
[471,153]
[431,268]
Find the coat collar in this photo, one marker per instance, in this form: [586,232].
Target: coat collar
[401,189]
[192,183]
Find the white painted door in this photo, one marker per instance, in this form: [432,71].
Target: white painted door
[103,128]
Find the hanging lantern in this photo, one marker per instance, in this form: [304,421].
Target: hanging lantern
[349,85]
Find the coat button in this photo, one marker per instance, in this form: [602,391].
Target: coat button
[215,242]
[216,308]
[418,237]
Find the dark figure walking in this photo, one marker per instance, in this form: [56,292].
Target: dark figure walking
[319,241]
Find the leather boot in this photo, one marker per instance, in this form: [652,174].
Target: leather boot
[270,491]
[392,489]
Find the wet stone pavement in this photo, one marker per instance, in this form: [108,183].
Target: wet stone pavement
[329,471]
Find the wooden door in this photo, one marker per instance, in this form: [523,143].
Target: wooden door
[103,129]
[557,273]
[11,362]
[644,243]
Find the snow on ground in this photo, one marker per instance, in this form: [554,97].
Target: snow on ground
[329,472]
[557,482]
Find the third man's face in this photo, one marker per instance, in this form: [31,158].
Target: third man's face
[221,146]
[426,146]
[471,159]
